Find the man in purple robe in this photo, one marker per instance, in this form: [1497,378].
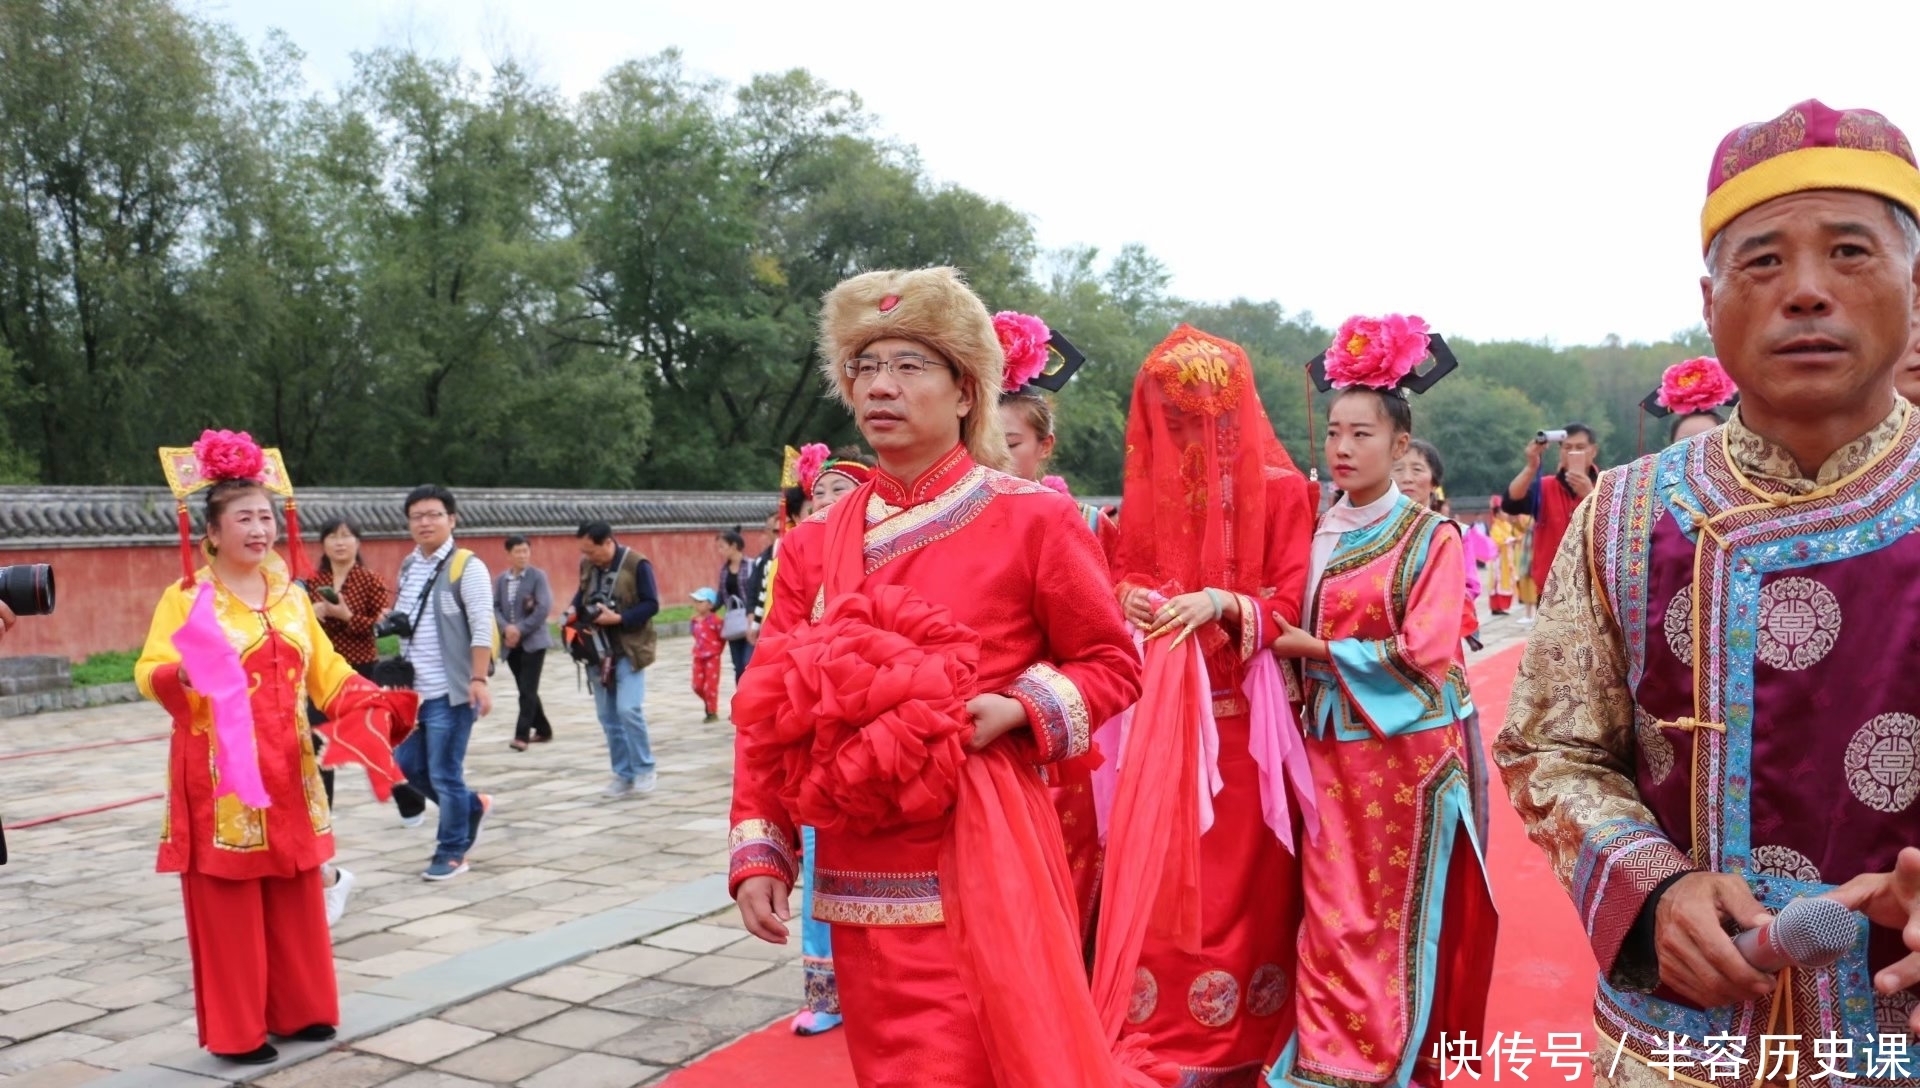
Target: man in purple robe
[1720,710]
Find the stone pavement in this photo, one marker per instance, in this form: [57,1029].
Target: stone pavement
[94,979]
[591,946]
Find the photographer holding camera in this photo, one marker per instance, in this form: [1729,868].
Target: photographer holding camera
[614,610]
[444,617]
[1550,501]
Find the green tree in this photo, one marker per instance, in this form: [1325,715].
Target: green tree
[107,125]
[468,277]
[443,273]
[1481,430]
[1550,379]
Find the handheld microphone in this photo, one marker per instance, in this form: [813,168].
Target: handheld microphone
[1806,933]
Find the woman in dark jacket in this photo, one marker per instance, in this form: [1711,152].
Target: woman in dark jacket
[736,573]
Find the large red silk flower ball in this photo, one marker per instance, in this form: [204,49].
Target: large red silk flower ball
[862,718]
[225,455]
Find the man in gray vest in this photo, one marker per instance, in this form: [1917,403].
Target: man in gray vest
[445,592]
[617,601]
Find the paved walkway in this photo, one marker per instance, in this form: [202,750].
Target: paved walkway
[592,945]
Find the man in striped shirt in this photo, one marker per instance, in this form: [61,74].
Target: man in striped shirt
[451,650]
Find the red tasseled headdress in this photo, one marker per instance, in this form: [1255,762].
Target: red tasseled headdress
[226,455]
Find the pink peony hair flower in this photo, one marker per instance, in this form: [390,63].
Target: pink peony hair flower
[224,455]
[1058,484]
[1377,352]
[1024,340]
[1697,385]
[812,458]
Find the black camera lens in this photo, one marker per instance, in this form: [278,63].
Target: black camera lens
[27,588]
[394,624]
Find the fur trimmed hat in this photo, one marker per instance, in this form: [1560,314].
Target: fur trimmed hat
[935,307]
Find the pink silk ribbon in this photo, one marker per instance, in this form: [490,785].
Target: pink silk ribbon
[213,665]
[1210,781]
[1276,744]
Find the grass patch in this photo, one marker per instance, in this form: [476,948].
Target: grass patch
[677,614]
[113,667]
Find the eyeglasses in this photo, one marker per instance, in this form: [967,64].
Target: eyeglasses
[907,366]
[427,515]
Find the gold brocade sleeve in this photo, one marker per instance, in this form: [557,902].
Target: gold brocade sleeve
[1567,755]
[157,672]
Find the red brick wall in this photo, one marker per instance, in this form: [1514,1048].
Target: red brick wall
[105,596]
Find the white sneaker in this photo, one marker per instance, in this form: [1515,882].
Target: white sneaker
[338,894]
[647,780]
[617,789]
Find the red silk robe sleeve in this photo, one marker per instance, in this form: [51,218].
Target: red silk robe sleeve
[1290,517]
[763,835]
[1089,670]
[365,722]
[1108,533]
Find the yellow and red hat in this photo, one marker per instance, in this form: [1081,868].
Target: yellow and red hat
[1811,146]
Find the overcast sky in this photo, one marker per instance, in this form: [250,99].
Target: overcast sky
[1504,170]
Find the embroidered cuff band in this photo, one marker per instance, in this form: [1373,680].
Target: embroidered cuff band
[1062,726]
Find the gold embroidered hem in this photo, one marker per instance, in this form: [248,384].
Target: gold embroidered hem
[1230,706]
[1250,641]
[877,899]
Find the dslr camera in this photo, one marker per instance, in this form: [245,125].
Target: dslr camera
[591,606]
[27,589]
[394,623]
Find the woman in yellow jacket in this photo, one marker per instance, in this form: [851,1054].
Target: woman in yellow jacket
[250,873]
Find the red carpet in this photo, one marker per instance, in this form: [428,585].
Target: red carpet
[1542,981]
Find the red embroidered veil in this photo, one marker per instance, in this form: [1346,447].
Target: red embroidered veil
[1199,453]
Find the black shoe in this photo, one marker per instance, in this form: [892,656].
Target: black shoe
[260,1055]
[314,1033]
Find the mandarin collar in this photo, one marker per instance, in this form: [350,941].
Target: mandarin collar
[944,473]
[1766,461]
[1345,517]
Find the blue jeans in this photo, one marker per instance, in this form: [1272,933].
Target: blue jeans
[434,759]
[742,652]
[624,721]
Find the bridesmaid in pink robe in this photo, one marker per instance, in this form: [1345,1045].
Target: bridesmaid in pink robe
[1396,945]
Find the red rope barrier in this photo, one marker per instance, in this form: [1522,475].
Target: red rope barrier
[109,806]
[83,747]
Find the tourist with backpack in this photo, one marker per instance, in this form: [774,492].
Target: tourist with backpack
[444,617]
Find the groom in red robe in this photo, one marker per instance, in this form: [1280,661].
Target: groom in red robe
[1021,588]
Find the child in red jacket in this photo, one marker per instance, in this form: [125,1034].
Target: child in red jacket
[707,648]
